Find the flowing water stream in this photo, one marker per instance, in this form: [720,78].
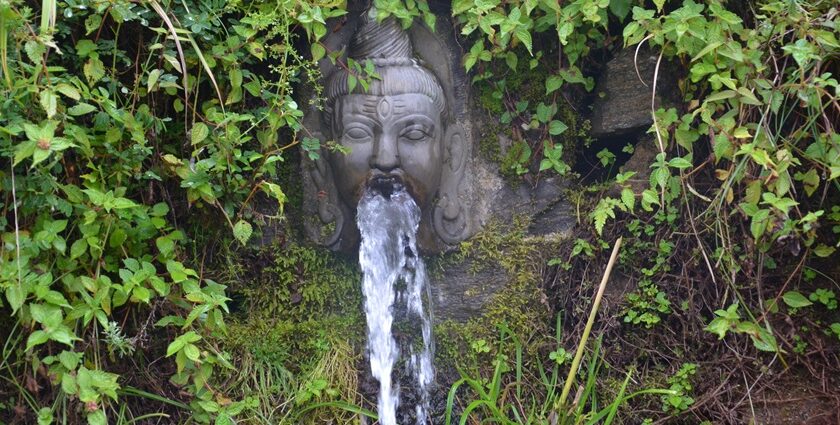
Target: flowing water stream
[394,276]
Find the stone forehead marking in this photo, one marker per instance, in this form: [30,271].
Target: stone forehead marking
[383,109]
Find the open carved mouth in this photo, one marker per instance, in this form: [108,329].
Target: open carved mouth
[385,185]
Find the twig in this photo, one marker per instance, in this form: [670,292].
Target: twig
[591,321]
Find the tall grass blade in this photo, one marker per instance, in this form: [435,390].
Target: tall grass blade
[450,399]
[136,392]
[4,44]
[48,11]
[162,13]
[208,70]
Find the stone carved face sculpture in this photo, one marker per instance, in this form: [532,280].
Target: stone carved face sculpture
[399,132]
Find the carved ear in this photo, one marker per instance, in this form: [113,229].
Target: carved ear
[450,213]
[456,155]
[328,210]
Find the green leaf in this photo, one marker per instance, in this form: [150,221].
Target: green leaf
[49,102]
[97,418]
[85,47]
[45,416]
[552,83]
[36,338]
[16,296]
[165,246]
[759,223]
[35,51]
[48,315]
[242,231]
[318,51]
[351,82]
[199,132]
[69,359]
[94,70]
[511,60]
[154,75]
[556,127]
[659,4]
[192,352]
[176,271]
[275,192]
[629,198]
[620,8]
[824,251]
[802,51]
[649,198]
[180,342]
[679,163]
[795,299]
[523,35]
[81,109]
[69,91]
[224,419]
[719,326]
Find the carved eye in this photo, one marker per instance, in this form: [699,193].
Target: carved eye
[356,134]
[415,134]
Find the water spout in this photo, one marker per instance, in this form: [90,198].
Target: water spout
[388,219]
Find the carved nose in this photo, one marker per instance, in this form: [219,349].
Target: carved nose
[386,157]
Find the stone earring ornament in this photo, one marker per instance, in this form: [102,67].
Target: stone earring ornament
[329,213]
[449,215]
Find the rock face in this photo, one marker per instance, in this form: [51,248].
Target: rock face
[626,103]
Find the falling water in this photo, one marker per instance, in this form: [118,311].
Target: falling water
[388,255]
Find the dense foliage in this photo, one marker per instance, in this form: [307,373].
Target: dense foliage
[129,130]
[124,124]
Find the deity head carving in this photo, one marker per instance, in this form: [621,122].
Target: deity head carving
[397,132]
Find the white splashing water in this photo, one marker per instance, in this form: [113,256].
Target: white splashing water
[387,255]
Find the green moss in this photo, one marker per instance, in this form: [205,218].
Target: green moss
[488,144]
[296,324]
[489,100]
[292,301]
[519,306]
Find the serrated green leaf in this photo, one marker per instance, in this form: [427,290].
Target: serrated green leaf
[49,101]
[629,198]
[242,231]
[719,326]
[68,90]
[199,132]
[97,418]
[523,35]
[94,70]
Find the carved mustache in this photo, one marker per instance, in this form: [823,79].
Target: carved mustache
[385,184]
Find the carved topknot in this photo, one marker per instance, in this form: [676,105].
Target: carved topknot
[374,40]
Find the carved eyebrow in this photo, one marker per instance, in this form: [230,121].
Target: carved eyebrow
[351,119]
[417,119]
